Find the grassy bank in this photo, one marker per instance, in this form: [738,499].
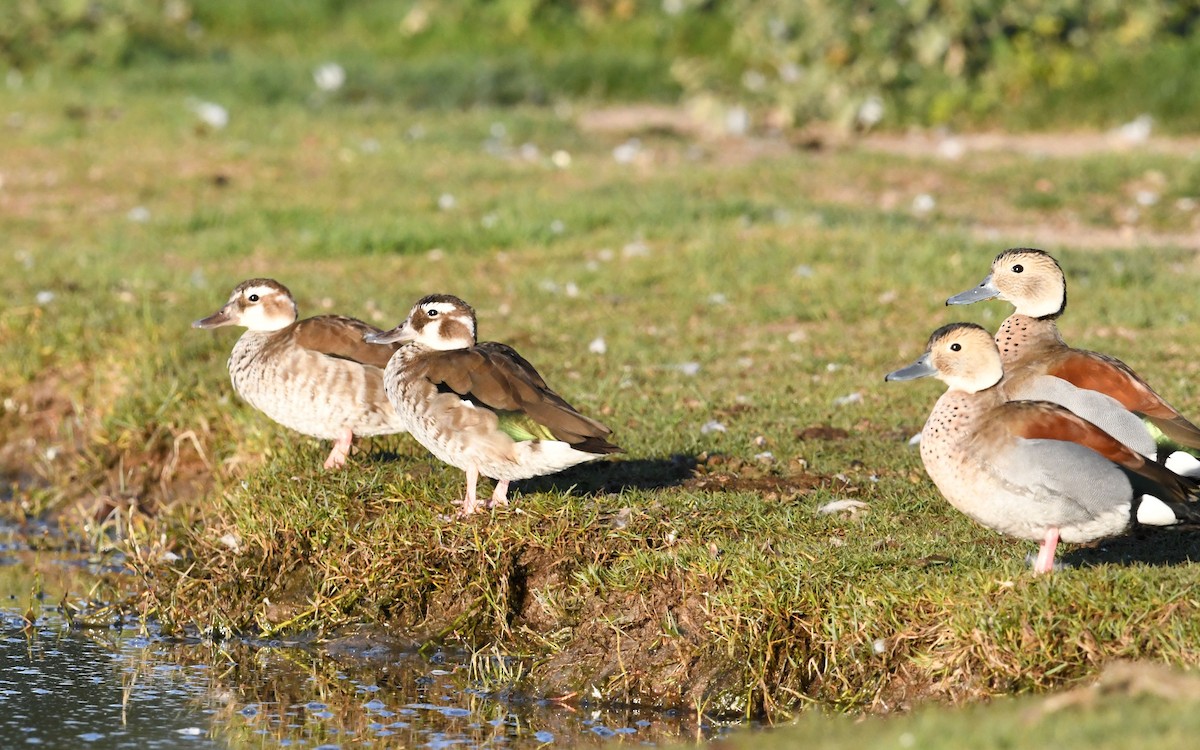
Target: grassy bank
[747,284]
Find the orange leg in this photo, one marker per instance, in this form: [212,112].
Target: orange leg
[341,449]
[1045,558]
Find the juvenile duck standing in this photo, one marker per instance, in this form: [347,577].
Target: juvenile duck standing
[481,407]
[1033,469]
[1037,360]
[315,376]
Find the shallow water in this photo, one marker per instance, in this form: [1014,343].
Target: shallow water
[121,686]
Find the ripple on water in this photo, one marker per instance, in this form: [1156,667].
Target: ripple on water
[129,687]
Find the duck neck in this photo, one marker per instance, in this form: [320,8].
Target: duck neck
[1022,337]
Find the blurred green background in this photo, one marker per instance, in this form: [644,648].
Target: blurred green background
[1027,64]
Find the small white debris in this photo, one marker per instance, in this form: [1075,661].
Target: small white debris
[837,506]
[737,121]
[190,731]
[752,80]
[879,646]
[51,453]
[712,426]
[571,289]
[797,336]
[923,204]
[370,146]
[529,152]
[1136,131]
[766,457]
[44,297]
[211,114]
[635,249]
[231,541]
[1185,204]
[447,202]
[848,399]
[907,739]
[803,271]
[1146,197]
[717,299]
[329,77]
[169,557]
[688,368]
[598,346]
[870,112]
[832,367]
[10,405]
[951,149]
[138,214]
[628,151]
[560,159]
[673,7]
[489,220]
[557,226]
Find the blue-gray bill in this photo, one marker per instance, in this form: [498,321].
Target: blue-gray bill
[922,368]
[985,290]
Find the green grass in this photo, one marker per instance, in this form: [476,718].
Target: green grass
[1129,704]
[685,572]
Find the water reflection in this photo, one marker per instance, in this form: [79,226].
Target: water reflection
[123,687]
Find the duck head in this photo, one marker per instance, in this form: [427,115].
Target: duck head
[961,355]
[439,321]
[1030,279]
[257,304]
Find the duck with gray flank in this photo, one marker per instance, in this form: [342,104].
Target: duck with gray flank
[1033,469]
[315,376]
[1040,365]
[481,407]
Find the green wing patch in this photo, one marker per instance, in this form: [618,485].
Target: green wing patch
[521,427]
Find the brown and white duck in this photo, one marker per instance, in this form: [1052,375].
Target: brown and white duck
[1040,365]
[316,376]
[481,407]
[1033,469]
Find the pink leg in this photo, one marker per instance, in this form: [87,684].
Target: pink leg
[472,502]
[341,449]
[1045,558]
[500,494]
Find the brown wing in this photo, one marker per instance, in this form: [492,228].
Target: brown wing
[1099,372]
[495,376]
[342,337]
[1047,421]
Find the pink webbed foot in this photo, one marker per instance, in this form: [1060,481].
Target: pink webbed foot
[471,501]
[1045,558]
[341,449]
[499,495]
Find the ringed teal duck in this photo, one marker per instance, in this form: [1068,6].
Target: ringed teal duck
[315,376]
[481,407]
[1033,469]
[1037,360]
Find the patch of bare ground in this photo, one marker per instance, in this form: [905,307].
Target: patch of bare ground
[57,455]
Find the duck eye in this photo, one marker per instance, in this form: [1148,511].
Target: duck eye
[431,312]
[956,347]
[1018,268]
[253,298]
